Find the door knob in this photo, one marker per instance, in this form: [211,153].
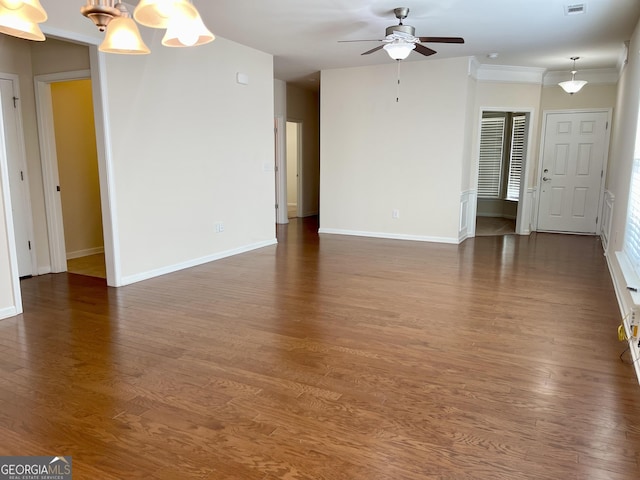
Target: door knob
[546,179]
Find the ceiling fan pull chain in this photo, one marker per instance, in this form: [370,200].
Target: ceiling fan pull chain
[398,87]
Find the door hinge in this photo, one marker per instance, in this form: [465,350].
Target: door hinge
[15,99]
[57,188]
[29,242]
[275,168]
[597,220]
[22,176]
[601,173]
[276,206]
[607,126]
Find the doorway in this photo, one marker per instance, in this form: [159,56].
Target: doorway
[504,141]
[70,170]
[17,173]
[294,154]
[573,163]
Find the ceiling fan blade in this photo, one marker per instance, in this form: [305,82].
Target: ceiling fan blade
[426,51]
[349,41]
[374,50]
[442,39]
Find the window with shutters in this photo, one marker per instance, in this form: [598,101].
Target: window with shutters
[503,146]
[632,230]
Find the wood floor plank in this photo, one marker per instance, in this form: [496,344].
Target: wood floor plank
[330,357]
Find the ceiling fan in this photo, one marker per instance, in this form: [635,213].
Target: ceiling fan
[400,39]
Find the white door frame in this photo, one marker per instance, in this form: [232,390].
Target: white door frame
[49,160]
[105,165]
[605,160]
[524,200]
[299,166]
[15,79]
[281,169]
[16,309]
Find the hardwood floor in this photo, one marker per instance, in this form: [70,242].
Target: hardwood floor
[331,357]
[91,265]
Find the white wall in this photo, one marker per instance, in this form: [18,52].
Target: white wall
[378,155]
[292,163]
[189,147]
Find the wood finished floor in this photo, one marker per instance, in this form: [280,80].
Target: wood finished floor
[331,357]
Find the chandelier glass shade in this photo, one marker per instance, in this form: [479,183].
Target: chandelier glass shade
[573,86]
[185,28]
[399,50]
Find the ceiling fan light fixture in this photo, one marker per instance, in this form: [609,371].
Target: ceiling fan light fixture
[399,50]
[573,86]
[13,23]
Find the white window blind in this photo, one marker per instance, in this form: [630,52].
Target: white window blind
[516,159]
[491,151]
[632,232]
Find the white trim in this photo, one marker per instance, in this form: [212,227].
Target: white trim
[138,277]
[607,216]
[44,270]
[468,207]
[509,74]
[605,160]
[473,67]
[280,134]
[16,309]
[602,76]
[85,252]
[8,312]
[105,168]
[392,236]
[626,301]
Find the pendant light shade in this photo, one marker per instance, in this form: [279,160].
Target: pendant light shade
[156,13]
[573,86]
[13,23]
[399,50]
[29,10]
[123,36]
[187,32]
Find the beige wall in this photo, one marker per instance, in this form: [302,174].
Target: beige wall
[378,155]
[77,166]
[304,106]
[7,299]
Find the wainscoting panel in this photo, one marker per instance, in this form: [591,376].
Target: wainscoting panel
[468,204]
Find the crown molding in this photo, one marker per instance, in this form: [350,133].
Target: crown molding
[602,76]
[505,73]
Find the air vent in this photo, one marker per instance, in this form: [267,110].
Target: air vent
[575,9]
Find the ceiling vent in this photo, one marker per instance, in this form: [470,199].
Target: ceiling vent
[575,9]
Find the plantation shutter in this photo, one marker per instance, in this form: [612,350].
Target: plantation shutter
[517,157]
[632,232]
[490,163]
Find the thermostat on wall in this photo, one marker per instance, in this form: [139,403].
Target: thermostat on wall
[242,78]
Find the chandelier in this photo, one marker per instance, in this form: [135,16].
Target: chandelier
[182,21]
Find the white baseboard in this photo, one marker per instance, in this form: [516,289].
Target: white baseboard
[392,236]
[491,215]
[85,253]
[8,312]
[138,277]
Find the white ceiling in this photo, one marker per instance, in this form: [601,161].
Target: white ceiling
[303,35]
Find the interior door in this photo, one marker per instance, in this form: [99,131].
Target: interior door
[17,178]
[572,171]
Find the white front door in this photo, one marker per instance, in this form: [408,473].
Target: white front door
[17,176]
[572,171]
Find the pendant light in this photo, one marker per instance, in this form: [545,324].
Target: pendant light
[123,35]
[185,31]
[20,18]
[573,86]
[156,13]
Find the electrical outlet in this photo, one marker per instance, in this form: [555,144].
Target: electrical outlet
[395,213]
[634,322]
[219,227]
